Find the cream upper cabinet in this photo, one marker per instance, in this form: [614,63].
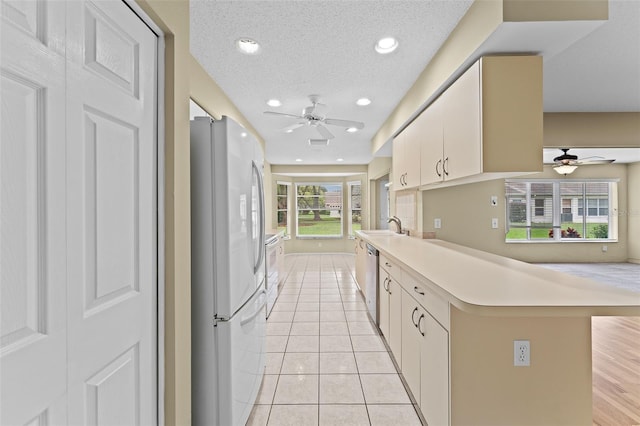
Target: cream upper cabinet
[462,141]
[431,151]
[491,115]
[406,159]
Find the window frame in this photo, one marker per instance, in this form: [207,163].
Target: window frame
[287,210]
[342,209]
[610,205]
[350,209]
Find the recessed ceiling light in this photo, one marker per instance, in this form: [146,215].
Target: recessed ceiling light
[352,129]
[363,101]
[340,159]
[386,45]
[243,134]
[289,131]
[248,46]
[298,160]
[274,103]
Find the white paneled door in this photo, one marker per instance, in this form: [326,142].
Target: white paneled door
[78,260]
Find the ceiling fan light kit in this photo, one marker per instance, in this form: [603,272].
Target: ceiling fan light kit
[564,169]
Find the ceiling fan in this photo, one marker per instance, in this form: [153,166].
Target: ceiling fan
[314,115]
[567,163]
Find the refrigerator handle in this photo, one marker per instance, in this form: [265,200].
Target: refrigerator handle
[262,247]
[250,318]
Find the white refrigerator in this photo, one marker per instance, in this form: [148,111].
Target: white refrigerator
[228,326]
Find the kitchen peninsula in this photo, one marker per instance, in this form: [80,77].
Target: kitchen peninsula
[453,315]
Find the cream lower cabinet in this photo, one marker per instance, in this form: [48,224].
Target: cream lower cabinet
[390,313]
[425,358]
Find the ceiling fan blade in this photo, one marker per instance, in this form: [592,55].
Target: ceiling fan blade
[587,161]
[292,127]
[283,114]
[344,123]
[324,132]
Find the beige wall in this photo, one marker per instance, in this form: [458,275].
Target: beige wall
[466,219]
[173,18]
[633,212]
[486,389]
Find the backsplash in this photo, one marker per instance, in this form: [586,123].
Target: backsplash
[406,210]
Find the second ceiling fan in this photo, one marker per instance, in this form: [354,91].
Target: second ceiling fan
[314,115]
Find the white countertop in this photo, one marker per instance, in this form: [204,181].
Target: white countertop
[484,283]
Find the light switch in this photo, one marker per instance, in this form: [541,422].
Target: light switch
[494,223]
[437,223]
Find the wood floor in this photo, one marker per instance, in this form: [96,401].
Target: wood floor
[616,371]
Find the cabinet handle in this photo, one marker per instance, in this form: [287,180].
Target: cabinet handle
[438,169]
[417,290]
[420,322]
[361,244]
[387,264]
[389,286]
[413,314]
[384,285]
[444,166]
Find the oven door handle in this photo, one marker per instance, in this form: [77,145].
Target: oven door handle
[273,243]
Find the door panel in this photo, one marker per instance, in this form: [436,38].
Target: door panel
[111,212]
[32,217]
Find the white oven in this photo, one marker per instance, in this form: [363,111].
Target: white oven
[272,277]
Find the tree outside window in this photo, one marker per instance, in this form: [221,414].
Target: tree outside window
[319,210]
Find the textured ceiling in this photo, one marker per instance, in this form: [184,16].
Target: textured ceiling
[326,48]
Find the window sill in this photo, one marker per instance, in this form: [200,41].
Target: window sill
[320,237]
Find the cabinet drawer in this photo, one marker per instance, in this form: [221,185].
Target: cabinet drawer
[420,290]
[391,267]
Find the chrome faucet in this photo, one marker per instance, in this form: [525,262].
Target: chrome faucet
[396,220]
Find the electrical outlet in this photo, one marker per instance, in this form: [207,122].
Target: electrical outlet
[494,223]
[521,353]
[494,200]
[437,223]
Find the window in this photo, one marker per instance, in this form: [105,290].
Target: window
[319,210]
[554,210]
[282,209]
[355,207]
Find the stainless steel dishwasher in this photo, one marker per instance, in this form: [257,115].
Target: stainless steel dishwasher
[371,282]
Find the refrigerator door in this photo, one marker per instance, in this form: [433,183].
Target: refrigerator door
[224,225]
[241,361]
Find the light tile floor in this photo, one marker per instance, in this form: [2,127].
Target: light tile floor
[326,363]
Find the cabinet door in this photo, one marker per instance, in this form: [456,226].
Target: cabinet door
[411,341]
[411,156]
[397,162]
[406,158]
[431,151]
[383,293]
[395,319]
[434,371]
[462,128]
